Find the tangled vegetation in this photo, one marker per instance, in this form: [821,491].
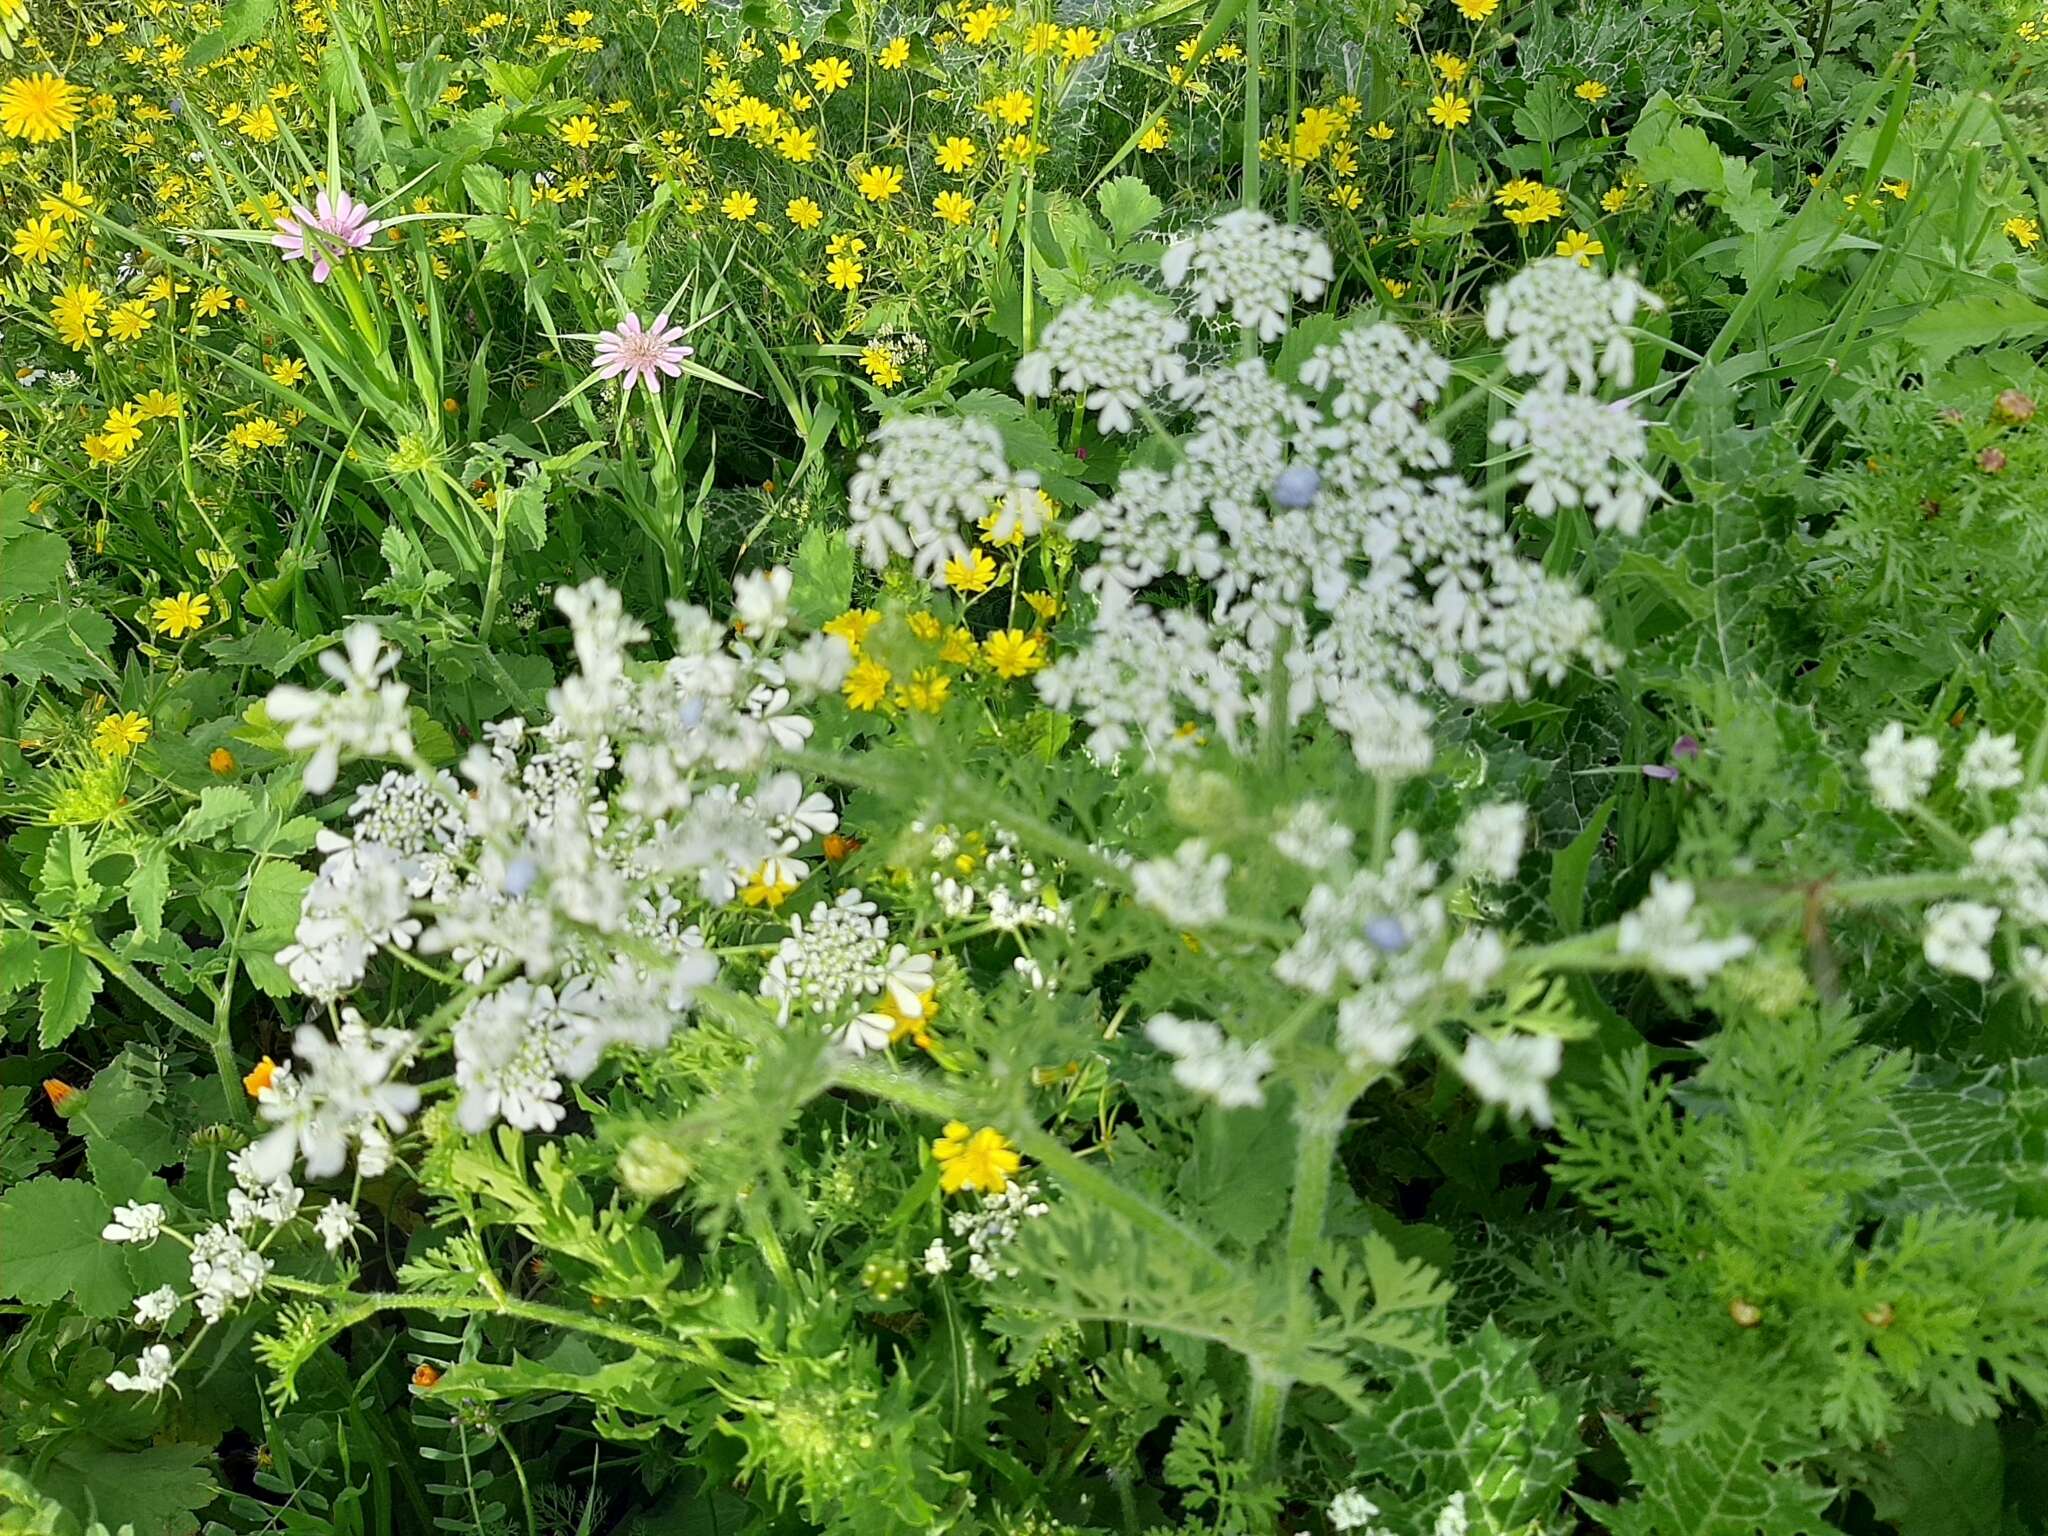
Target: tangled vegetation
[1232,766]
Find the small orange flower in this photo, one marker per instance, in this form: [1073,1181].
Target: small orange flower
[221,761]
[58,1091]
[424,1375]
[260,1077]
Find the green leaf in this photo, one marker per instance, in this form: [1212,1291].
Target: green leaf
[1726,1481]
[51,1248]
[1943,1479]
[64,881]
[1547,116]
[24,1145]
[241,22]
[821,580]
[1236,1182]
[17,962]
[120,1106]
[1129,205]
[1946,1146]
[65,643]
[220,807]
[157,1490]
[1570,870]
[1942,330]
[148,889]
[275,891]
[70,983]
[1677,155]
[33,565]
[1475,1421]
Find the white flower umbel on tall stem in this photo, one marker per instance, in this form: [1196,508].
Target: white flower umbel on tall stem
[839,968]
[1562,321]
[1958,938]
[1513,1071]
[1208,1063]
[564,872]
[1119,355]
[1670,940]
[1319,528]
[339,1092]
[1578,450]
[1901,767]
[1250,265]
[924,482]
[1991,763]
[367,718]
[1188,889]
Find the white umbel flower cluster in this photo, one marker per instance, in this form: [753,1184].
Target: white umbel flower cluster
[1958,938]
[1579,450]
[1209,1063]
[1332,546]
[1382,941]
[153,1373]
[1251,266]
[925,483]
[1666,935]
[839,968]
[366,718]
[560,868]
[1901,767]
[1119,355]
[1188,887]
[987,1231]
[1564,322]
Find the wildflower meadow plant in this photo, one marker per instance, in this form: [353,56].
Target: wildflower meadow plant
[1007,770]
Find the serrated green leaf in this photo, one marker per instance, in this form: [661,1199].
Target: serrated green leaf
[64,881]
[275,891]
[1129,205]
[220,807]
[64,643]
[33,565]
[70,982]
[154,1491]
[1475,1421]
[51,1248]
[241,22]
[24,1146]
[1728,1481]
[17,962]
[148,889]
[821,578]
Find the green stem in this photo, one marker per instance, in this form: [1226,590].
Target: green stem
[1253,58]
[352,1307]
[1315,1156]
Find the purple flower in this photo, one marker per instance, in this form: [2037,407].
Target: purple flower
[641,355]
[337,225]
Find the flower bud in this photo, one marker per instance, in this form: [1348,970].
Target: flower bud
[652,1166]
[1296,486]
[2013,406]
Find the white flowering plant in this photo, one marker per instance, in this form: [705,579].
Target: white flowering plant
[1254,907]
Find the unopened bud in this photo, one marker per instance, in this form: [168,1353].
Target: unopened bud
[2013,406]
[1747,1314]
[652,1166]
